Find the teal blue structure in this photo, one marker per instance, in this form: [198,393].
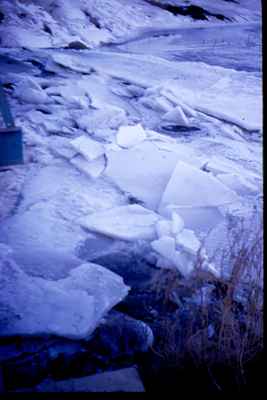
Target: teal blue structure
[11,146]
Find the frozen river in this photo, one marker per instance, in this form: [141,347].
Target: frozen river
[212,72]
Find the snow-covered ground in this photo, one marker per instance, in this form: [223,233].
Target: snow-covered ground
[157,138]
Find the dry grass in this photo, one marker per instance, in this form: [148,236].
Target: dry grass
[227,329]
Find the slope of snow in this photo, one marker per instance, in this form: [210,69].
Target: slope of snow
[57,23]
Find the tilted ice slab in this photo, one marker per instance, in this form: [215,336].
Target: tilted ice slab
[131,222]
[143,171]
[71,307]
[176,116]
[196,196]
[129,136]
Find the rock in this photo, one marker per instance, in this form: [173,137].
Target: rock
[36,358]
[145,173]
[177,116]
[116,342]
[15,347]
[130,262]
[88,148]
[198,210]
[77,45]
[123,380]
[129,136]
[130,222]
[25,371]
[120,336]
[70,307]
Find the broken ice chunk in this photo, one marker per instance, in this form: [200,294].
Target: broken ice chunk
[200,219]
[89,148]
[177,116]
[177,223]
[158,103]
[131,222]
[143,171]
[108,117]
[129,136]
[71,307]
[188,240]
[189,111]
[184,263]
[164,228]
[165,246]
[33,96]
[93,169]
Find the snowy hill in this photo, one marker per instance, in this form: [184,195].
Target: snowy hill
[43,24]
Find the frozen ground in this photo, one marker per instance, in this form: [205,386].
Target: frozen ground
[157,138]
